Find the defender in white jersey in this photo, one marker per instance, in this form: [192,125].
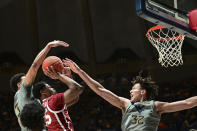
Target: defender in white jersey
[139,113]
[22,83]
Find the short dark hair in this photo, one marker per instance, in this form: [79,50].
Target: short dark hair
[32,115]
[37,88]
[148,84]
[14,80]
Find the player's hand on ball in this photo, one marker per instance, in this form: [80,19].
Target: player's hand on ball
[73,66]
[67,71]
[50,72]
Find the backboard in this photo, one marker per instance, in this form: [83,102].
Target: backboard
[172,14]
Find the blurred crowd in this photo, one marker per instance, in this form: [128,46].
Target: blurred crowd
[92,113]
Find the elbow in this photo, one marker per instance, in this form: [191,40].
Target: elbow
[100,90]
[79,89]
[100,87]
[76,99]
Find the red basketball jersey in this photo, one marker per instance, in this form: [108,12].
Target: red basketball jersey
[56,114]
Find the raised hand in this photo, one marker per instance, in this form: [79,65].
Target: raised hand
[50,72]
[66,71]
[56,43]
[73,66]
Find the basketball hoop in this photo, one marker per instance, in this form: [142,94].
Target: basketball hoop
[168,43]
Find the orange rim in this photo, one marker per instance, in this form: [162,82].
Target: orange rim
[179,37]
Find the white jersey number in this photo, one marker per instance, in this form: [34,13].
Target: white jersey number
[137,119]
[48,119]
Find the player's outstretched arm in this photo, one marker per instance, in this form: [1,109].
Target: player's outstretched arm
[98,88]
[165,107]
[31,74]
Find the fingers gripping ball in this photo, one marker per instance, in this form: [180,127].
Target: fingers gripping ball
[53,61]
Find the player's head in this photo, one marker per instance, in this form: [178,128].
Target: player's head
[143,89]
[42,90]
[32,116]
[15,81]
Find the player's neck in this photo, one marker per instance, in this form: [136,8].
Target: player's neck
[18,87]
[143,99]
[43,97]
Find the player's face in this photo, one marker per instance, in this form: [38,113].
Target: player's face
[49,90]
[136,93]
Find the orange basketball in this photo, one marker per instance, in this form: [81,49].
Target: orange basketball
[53,61]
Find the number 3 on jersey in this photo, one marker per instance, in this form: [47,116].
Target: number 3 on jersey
[137,119]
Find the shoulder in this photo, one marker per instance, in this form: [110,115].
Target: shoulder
[125,103]
[24,84]
[56,102]
[57,96]
[24,87]
[160,106]
[156,105]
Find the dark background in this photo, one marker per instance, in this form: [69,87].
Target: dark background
[105,37]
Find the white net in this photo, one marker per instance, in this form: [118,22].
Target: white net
[168,43]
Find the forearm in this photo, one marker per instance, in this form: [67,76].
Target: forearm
[71,94]
[31,74]
[101,91]
[69,82]
[40,57]
[94,85]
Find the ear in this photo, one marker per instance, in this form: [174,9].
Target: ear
[42,91]
[18,85]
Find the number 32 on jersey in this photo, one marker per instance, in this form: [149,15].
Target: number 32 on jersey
[137,119]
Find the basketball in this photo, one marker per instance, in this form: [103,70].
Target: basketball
[53,61]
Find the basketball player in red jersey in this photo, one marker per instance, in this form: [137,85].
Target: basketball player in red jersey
[56,114]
